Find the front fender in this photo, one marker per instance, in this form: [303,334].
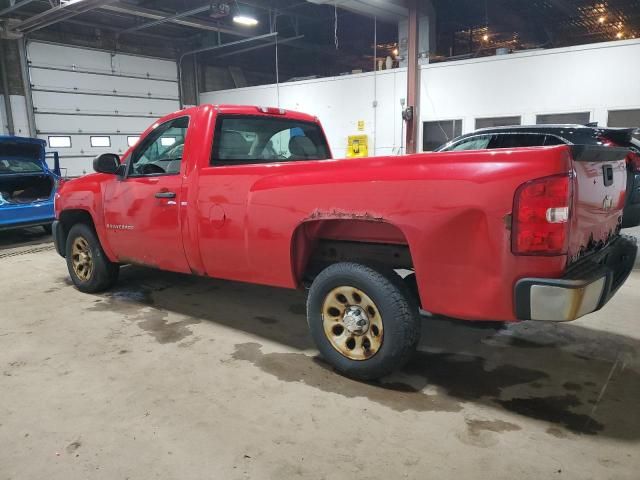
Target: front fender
[85,194]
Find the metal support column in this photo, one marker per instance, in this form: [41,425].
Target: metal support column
[5,90]
[26,83]
[413,80]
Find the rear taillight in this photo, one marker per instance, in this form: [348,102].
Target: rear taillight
[541,213]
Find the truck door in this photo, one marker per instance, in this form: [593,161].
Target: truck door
[142,210]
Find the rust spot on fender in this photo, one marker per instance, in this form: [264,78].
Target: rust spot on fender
[338,214]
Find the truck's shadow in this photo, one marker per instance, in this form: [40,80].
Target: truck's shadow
[577,379]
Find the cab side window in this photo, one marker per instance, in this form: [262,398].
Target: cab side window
[160,153]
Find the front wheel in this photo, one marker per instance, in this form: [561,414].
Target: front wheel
[364,323]
[90,269]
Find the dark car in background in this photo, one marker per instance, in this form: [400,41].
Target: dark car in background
[27,184]
[547,135]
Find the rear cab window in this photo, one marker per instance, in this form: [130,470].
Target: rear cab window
[252,139]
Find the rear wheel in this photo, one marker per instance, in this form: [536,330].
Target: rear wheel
[90,269]
[365,323]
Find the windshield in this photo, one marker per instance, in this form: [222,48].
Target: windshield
[18,157]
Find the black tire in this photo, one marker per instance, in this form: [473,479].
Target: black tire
[397,309]
[47,229]
[104,273]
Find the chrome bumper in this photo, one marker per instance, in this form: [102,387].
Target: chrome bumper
[587,286]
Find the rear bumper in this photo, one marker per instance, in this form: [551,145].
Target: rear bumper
[587,286]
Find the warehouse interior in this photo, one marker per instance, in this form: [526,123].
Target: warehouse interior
[169,375]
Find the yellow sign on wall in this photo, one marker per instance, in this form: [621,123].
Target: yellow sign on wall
[361,125]
[358,146]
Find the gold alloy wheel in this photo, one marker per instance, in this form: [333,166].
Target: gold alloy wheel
[82,259]
[352,323]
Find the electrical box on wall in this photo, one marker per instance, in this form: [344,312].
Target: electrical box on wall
[358,146]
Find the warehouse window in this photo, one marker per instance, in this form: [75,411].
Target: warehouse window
[100,141]
[132,140]
[60,142]
[625,118]
[247,139]
[167,141]
[437,133]
[489,122]
[579,118]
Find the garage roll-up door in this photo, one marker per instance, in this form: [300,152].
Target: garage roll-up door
[88,102]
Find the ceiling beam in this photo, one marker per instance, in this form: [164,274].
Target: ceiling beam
[56,14]
[154,23]
[15,7]
[159,15]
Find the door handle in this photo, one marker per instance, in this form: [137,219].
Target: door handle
[164,194]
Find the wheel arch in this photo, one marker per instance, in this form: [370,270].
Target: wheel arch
[69,217]
[321,242]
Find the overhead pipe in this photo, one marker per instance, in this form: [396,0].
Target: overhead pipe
[210,48]
[255,47]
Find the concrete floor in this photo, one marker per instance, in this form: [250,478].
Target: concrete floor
[170,376]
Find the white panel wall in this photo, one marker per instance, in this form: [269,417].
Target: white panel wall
[19,110]
[81,92]
[594,78]
[339,103]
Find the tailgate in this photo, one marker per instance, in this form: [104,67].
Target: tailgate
[599,194]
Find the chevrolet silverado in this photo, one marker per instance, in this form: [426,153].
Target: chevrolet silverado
[253,194]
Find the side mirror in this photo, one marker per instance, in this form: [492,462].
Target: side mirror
[107,163]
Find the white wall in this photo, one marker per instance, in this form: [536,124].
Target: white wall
[19,110]
[339,102]
[594,78]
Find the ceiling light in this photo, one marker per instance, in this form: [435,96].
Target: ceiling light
[245,20]
[485,37]
[602,19]
[619,35]
[395,52]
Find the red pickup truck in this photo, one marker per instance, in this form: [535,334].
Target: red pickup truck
[252,194]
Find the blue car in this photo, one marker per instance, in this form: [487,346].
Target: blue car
[27,184]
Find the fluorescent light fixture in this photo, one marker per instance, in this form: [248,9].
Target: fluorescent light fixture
[245,20]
